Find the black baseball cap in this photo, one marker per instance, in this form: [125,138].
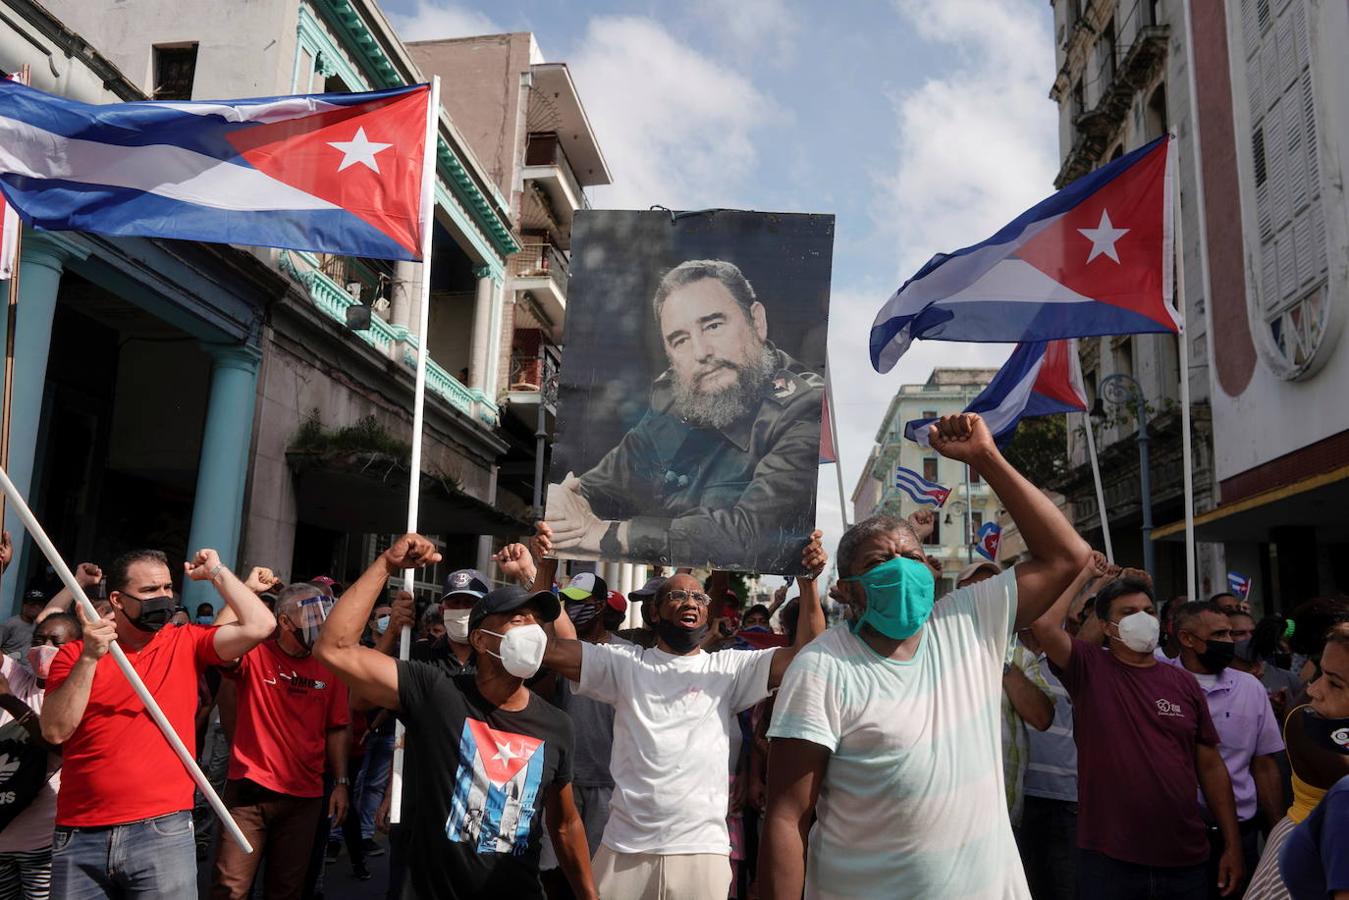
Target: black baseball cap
[466,581]
[648,590]
[35,596]
[510,598]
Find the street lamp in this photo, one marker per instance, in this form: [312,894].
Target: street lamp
[1121,390]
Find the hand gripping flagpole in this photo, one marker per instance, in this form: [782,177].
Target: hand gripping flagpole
[68,579]
[418,406]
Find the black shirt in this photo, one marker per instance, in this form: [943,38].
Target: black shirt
[477,779]
[441,654]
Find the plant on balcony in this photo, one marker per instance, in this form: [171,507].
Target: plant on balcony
[365,442]
[1039,450]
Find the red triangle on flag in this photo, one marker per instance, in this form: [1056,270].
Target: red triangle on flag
[1109,246]
[365,158]
[502,753]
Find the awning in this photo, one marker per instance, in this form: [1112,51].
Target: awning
[1318,501]
[367,493]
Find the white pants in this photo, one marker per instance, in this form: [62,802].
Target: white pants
[652,876]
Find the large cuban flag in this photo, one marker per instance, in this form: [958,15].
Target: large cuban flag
[1039,379]
[1093,259]
[333,173]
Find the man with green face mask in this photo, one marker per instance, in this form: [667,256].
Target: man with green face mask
[888,730]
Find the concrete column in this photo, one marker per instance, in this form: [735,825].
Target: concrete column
[485,541]
[404,293]
[39,280]
[482,331]
[493,380]
[223,464]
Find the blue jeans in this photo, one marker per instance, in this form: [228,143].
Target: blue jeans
[1103,878]
[150,858]
[372,780]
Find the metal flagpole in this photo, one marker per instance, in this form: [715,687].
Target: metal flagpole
[838,457]
[418,405]
[1100,492]
[969,516]
[68,579]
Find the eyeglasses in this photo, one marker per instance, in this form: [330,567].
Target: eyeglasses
[696,596]
[40,639]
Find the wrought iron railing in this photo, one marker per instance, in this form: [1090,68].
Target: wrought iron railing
[542,260]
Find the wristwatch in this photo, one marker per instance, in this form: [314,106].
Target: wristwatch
[609,545]
[343,781]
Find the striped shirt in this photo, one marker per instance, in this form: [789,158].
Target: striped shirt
[912,800]
[1052,771]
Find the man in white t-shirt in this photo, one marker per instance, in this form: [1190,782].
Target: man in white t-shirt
[888,732]
[674,711]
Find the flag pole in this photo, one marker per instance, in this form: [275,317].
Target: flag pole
[418,406]
[44,543]
[1100,492]
[838,457]
[1176,251]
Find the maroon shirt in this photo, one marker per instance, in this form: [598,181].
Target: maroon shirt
[1136,731]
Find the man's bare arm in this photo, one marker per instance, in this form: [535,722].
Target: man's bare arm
[795,772]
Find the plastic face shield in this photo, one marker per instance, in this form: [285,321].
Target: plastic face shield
[311,615]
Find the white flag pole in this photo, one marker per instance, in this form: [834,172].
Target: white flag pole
[68,579]
[1100,492]
[838,457]
[1173,248]
[418,405]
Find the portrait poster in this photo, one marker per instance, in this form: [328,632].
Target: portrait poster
[691,384]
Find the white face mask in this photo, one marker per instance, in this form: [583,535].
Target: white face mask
[456,624]
[1139,631]
[521,649]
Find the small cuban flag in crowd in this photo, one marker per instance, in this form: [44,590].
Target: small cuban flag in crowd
[990,537]
[925,492]
[1239,584]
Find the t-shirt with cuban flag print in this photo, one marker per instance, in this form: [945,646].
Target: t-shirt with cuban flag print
[477,778]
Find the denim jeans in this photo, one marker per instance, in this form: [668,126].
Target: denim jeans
[1047,839]
[373,780]
[1102,878]
[149,858]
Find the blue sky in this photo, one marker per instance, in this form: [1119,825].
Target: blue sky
[922,126]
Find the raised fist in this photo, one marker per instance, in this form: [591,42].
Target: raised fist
[411,551]
[962,437]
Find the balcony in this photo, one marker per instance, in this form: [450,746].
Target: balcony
[541,270]
[552,195]
[533,382]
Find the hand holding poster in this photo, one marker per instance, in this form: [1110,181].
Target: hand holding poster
[691,389]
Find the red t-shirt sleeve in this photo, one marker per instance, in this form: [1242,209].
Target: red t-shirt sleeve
[203,639]
[339,710]
[62,663]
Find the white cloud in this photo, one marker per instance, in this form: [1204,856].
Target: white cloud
[675,126]
[750,26]
[434,21]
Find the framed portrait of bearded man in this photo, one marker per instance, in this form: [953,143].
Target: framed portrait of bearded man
[690,390]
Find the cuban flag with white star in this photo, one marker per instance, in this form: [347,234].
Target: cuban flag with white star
[1093,259]
[329,173]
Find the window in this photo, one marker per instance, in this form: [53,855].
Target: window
[175,67]
[976,520]
[1124,356]
[1156,121]
[1105,49]
[930,468]
[929,414]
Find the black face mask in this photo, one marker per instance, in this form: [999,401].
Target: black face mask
[1328,734]
[154,615]
[1217,655]
[680,639]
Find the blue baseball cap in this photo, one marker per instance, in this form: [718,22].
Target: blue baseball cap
[469,582]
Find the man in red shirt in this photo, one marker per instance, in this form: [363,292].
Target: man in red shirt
[123,816]
[291,721]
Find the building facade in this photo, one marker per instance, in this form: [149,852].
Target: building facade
[971,503]
[326,405]
[1255,93]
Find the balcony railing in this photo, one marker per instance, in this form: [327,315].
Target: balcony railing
[541,261]
[544,149]
[536,372]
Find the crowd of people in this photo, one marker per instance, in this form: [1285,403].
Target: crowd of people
[1043,731]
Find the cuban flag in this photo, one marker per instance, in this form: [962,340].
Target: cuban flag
[1039,379]
[990,537]
[330,173]
[927,493]
[827,452]
[1093,259]
[1239,585]
[497,789]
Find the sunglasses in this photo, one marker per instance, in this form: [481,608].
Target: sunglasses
[678,596]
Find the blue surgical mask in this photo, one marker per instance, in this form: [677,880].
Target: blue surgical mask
[900,593]
[205,620]
[382,624]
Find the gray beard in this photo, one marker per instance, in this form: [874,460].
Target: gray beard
[729,404]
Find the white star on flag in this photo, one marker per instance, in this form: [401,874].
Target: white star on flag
[1103,237]
[504,752]
[360,149]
